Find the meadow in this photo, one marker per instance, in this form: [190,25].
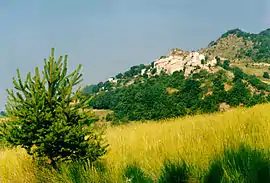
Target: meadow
[223,147]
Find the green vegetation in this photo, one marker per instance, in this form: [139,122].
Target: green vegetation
[201,92]
[49,122]
[154,70]
[260,49]
[175,172]
[133,173]
[119,76]
[2,113]
[121,79]
[45,122]
[226,64]
[228,147]
[266,75]
[242,165]
[203,61]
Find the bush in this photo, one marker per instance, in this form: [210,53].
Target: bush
[266,75]
[154,71]
[240,93]
[119,76]
[218,60]
[226,64]
[242,165]
[109,117]
[206,58]
[209,104]
[2,113]
[135,174]
[174,172]
[202,61]
[238,73]
[44,120]
[153,64]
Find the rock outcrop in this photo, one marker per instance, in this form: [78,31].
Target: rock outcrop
[188,62]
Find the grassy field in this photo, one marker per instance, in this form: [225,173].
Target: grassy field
[139,151]
[250,69]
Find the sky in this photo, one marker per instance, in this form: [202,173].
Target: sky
[110,36]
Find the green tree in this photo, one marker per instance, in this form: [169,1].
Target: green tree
[141,66]
[154,71]
[145,76]
[119,76]
[100,85]
[153,64]
[108,85]
[206,58]
[209,104]
[45,121]
[128,74]
[240,93]
[226,64]
[89,90]
[238,73]
[218,60]
[202,61]
[2,113]
[266,75]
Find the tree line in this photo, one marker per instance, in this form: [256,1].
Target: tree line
[201,92]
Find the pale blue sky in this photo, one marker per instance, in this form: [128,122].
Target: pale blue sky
[109,36]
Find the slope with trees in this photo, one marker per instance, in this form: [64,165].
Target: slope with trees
[201,92]
[137,95]
[237,44]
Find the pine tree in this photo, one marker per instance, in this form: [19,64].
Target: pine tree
[49,118]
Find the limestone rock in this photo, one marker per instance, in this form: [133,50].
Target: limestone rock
[188,62]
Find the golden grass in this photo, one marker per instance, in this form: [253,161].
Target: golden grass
[16,166]
[196,139]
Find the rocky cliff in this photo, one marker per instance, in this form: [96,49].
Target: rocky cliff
[188,62]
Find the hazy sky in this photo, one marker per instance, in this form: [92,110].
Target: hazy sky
[109,36]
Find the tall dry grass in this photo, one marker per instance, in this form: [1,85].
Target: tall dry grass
[195,139]
[16,166]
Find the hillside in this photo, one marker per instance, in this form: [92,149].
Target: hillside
[231,71]
[176,60]
[239,45]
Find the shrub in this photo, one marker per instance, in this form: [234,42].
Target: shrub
[226,64]
[153,64]
[242,165]
[44,120]
[206,58]
[174,172]
[119,76]
[2,113]
[154,70]
[218,60]
[109,117]
[266,75]
[135,174]
[202,61]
